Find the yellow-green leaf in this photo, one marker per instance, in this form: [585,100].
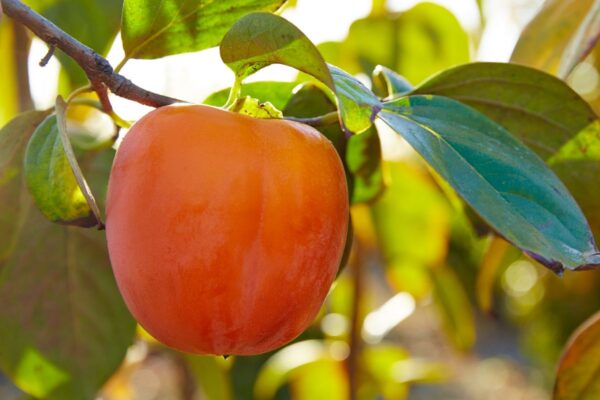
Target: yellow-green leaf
[158,28]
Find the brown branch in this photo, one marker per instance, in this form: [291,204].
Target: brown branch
[97,68]
[356,344]
[21,45]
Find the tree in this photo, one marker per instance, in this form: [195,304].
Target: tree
[505,150]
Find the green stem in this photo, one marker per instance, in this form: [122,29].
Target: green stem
[121,64]
[120,122]
[379,8]
[235,92]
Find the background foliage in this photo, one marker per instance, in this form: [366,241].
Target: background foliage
[428,305]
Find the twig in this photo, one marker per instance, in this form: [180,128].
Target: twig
[97,68]
[44,61]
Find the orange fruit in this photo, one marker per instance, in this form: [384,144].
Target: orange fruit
[225,232]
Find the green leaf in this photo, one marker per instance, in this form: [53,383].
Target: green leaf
[541,110]
[13,140]
[212,376]
[577,163]
[311,369]
[51,180]
[158,28]
[387,83]
[454,307]
[416,43]
[544,40]
[276,93]
[311,100]
[504,181]
[578,375]
[411,221]
[53,175]
[64,328]
[69,16]
[363,159]
[379,362]
[358,105]
[261,39]
[325,379]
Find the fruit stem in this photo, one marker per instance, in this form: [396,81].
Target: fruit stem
[235,92]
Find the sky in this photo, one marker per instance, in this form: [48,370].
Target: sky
[194,76]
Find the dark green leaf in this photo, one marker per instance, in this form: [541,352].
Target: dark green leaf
[388,83]
[578,375]
[309,101]
[158,28]
[363,160]
[51,181]
[276,93]
[71,16]
[536,107]
[358,105]
[261,39]
[505,182]
[64,328]
[539,109]
[13,140]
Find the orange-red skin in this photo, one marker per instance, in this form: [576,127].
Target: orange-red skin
[225,232]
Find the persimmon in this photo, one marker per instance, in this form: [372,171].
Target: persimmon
[224,231]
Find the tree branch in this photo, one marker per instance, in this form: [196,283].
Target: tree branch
[97,68]
[21,45]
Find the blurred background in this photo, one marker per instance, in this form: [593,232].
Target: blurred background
[427,307]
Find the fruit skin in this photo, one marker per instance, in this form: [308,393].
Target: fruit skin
[225,232]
